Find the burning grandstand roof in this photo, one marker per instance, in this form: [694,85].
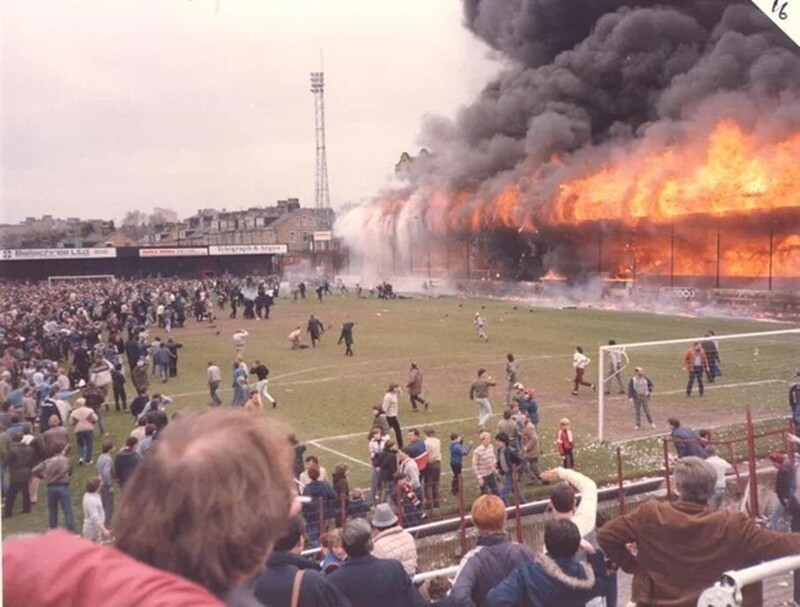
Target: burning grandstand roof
[658,139]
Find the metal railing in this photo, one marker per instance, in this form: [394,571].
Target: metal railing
[728,591]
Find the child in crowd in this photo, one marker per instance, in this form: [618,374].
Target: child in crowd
[566,443]
[357,506]
[94,516]
[438,588]
[457,454]
[333,554]
[409,500]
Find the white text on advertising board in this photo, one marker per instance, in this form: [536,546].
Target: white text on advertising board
[249,249]
[31,254]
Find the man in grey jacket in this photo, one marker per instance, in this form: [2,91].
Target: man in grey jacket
[56,472]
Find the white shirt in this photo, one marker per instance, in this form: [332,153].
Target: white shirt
[93,514]
[721,467]
[580,361]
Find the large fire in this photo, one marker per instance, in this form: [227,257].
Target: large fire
[732,175]
[729,178]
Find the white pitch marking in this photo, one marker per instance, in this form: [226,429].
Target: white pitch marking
[340,454]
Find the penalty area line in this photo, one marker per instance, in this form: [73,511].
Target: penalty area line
[339,453]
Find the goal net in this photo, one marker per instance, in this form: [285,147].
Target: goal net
[754,369]
[54,280]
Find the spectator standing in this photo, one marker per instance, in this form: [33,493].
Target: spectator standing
[391,541]
[376,444]
[433,470]
[565,443]
[118,382]
[368,581]
[512,371]
[126,462]
[83,419]
[686,440]
[56,472]
[387,462]
[288,575]
[695,362]
[721,467]
[784,489]
[414,385]
[640,388]
[324,505]
[479,392]
[213,378]
[105,471]
[94,515]
[617,361]
[212,461]
[492,560]
[508,462]
[683,546]
[346,337]
[18,462]
[554,578]
[579,362]
[457,454]
[484,465]
[711,348]
[794,401]
[56,437]
[531,447]
[390,406]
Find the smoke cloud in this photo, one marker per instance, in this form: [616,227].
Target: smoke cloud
[588,82]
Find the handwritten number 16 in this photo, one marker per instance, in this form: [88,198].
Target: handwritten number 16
[779,8]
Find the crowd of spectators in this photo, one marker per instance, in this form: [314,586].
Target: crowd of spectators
[217,506]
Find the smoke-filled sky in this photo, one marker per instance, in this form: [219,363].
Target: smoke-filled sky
[627,94]
[114,105]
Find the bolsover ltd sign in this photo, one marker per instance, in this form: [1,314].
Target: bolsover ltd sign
[249,249]
[56,254]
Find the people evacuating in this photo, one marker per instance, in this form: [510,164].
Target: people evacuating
[579,362]
[480,326]
[479,392]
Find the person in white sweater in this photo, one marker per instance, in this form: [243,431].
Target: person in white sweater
[94,516]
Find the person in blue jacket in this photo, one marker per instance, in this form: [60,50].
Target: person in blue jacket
[554,578]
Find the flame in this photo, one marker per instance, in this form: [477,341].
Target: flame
[708,181]
[734,174]
[553,275]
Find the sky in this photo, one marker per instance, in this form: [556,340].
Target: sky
[108,106]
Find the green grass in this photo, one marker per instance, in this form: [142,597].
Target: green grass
[322,393]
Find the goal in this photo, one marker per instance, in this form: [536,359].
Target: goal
[756,369]
[52,280]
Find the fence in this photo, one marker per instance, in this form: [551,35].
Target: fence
[740,449]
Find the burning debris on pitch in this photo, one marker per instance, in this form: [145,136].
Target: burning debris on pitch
[645,142]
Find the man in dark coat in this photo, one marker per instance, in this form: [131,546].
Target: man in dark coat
[275,584]
[368,581]
[18,461]
[347,338]
[314,330]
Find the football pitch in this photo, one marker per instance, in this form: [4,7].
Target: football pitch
[326,397]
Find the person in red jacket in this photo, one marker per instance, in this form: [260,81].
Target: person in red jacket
[80,572]
[565,442]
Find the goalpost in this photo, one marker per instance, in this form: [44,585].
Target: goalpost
[51,280]
[756,369]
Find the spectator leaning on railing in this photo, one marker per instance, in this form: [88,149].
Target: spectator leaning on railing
[684,546]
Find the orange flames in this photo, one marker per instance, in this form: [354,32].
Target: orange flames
[732,175]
